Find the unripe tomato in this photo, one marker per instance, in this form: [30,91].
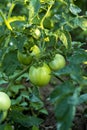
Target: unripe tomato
[57,63]
[40,75]
[4,114]
[5,101]
[23,58]
[26,59]
[35,51]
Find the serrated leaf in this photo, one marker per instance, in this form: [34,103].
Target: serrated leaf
[65,99]
[62,91]
[65,37]
[74,9]
[34,7]
[36,102]
[25,120]
[79,57]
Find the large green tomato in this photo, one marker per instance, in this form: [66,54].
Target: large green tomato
[40,75]
[4,114]
[26,59]
[57,63]
[5,101]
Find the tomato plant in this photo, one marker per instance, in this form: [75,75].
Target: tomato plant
[43,43]
[40,75]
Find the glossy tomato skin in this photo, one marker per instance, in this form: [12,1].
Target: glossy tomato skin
[26,59]
[5,101]
[57,63]
[40,76]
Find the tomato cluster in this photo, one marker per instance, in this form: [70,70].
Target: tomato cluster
[5,104]
[40,74]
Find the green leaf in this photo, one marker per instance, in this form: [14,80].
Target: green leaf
[36,102]
[10,63]
[65,37]
[80,22]
[83,23]
[34,7]
[25,120]
[72,70]
[35,128]
[8,127]
[62,91]
[74,9]
[5,127]
[78,57]
[82,98]
[65,98]
[16,88]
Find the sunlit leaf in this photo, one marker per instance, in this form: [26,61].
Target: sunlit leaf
[74,9]
[34,7]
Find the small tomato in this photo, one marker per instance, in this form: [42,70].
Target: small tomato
[57,63]
[26,59]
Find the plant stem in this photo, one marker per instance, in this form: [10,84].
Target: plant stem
[59,78]
[10,10]
[41,24]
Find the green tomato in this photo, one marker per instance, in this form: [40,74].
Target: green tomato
[5,101]
[23,58]
[26,59]
[4,115]
[35,51]
[57,63]
[41,75]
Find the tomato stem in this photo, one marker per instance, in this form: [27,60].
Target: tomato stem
[11,9]
[41,24]
[59,78]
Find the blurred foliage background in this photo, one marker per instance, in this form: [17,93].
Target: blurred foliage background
[78,34]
